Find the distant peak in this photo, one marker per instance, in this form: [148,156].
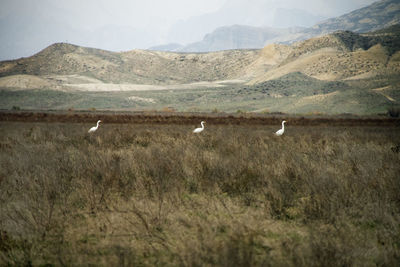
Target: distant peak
[61,48]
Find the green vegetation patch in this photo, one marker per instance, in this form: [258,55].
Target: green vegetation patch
[292,93]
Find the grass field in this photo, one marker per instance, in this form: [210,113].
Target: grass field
[236,195]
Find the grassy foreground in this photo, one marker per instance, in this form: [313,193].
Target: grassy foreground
[152,194]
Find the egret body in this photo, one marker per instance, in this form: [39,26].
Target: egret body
[94,128]
[199,130]
[282,130]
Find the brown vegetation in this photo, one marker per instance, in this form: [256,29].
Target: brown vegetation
[169,116]
[235,195]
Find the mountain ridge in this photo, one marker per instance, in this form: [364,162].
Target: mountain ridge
[378,15]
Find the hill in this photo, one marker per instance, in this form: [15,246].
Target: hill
[342,55]
[136,66]
[336,56]
[335,73]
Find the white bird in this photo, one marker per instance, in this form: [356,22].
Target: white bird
[94,128]
[199,130]
[281,131]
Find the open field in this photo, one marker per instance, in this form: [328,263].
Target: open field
[294,93]
[150,193]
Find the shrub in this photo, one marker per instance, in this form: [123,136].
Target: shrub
[394,112]
[155,194]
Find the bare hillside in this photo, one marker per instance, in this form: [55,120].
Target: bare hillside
[136,66]
[337,56]
[341,55]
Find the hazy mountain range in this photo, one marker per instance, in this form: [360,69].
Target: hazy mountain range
[376,16]
[255,13]
[28,26]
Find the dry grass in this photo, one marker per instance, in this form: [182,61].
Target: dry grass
[233,196]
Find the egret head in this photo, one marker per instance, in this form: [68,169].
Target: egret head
[203,122]
[99,121]
[283,121]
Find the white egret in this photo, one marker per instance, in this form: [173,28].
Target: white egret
[94,128]
[281,131]
[199,130]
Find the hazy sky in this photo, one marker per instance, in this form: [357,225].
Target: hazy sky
[140,13]
[95,13]
[30,25]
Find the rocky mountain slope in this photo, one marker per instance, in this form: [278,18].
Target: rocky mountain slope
[341,55]
[379,15]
